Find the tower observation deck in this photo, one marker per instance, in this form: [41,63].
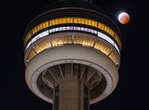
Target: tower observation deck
[72,55]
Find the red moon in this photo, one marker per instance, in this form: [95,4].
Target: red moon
[124,18]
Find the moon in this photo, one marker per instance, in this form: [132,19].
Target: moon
[123,18]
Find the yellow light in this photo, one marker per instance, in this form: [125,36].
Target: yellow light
[81,40]
[73,20]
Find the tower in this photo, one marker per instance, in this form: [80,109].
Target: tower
[72,55]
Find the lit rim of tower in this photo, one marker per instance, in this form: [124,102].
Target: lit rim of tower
[72,37]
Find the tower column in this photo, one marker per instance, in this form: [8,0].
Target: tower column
[70,94]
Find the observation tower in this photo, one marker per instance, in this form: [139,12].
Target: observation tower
[72,55]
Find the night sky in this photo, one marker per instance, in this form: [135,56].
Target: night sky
[132,91]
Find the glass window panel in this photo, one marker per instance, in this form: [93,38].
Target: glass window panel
[44,45]
[102,47]
[45,24]
[78,40]
[75,20]
[51,22]
[71,20]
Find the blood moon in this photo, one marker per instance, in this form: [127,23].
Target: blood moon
[123,18]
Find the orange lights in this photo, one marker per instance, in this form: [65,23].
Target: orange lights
[78,39]
[73,20]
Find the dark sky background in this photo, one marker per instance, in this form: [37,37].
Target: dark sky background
[132,91]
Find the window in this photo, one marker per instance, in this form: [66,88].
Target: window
[73,20]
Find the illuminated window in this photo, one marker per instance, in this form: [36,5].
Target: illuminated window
[44,45]
[102,47]
[37,49]
[57,21]
[82,21]
[69,39]
[40,26]
[117,39]
[76,20]
[92,23]
[56,41]
[99,25]
[34,30]
[45,24]
[110,31]
[52,22]
[99,34]
[70,20]
[28,37]
[64,20]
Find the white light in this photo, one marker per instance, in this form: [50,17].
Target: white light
[45,33]
[108,39]
[75,28]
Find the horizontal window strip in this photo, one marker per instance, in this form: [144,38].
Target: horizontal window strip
[73,20]
[73,28]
